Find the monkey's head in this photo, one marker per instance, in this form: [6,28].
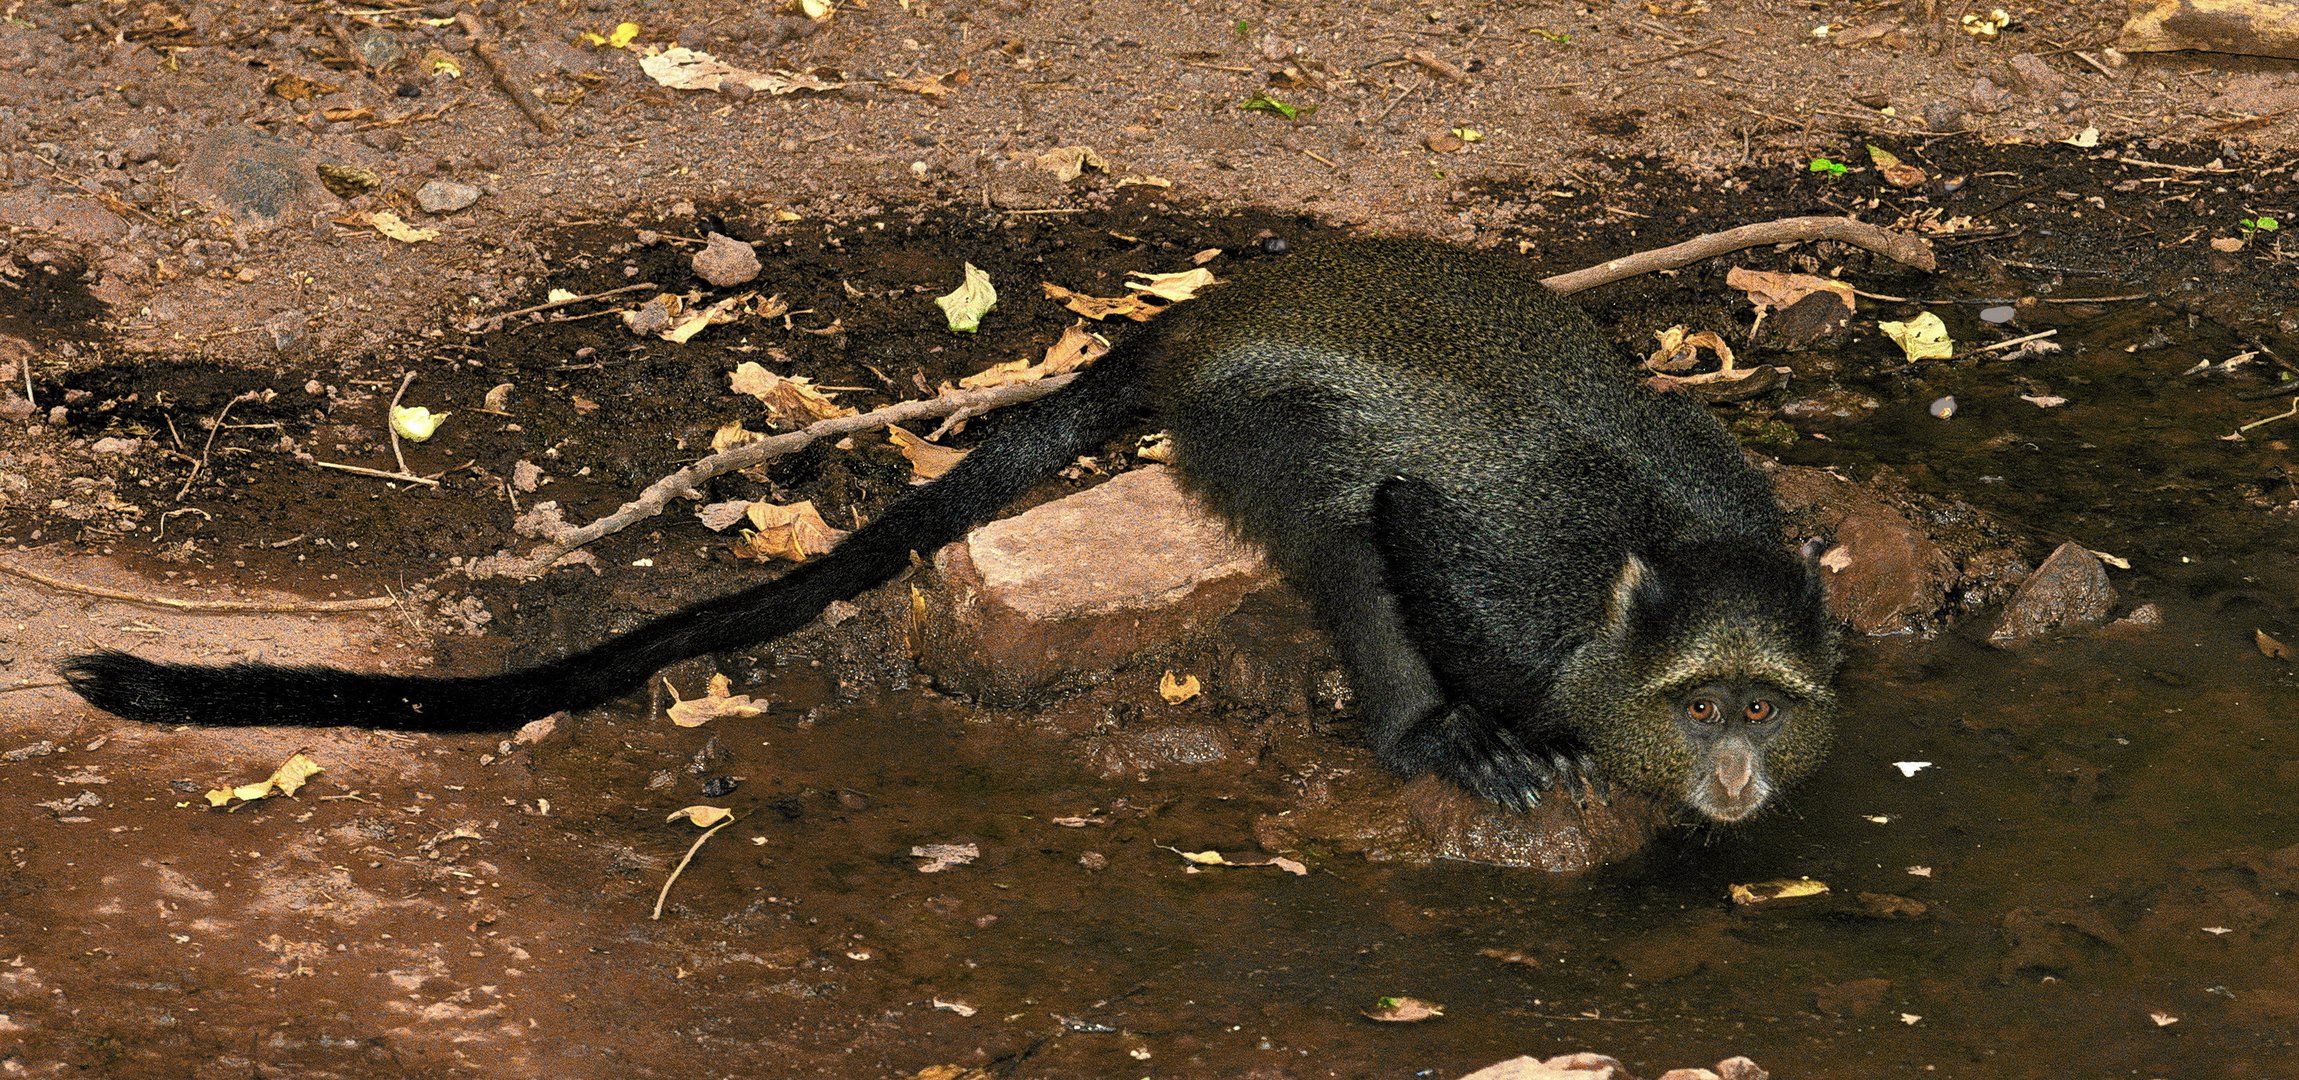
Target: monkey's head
[1710,681]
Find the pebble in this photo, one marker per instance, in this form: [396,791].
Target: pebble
[445,196]
[1998,315]
[1944,407]
[726,261]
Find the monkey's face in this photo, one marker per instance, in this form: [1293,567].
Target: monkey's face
[1730,730]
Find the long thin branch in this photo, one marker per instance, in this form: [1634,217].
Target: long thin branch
[368,603]
[1899,247]
[659,494]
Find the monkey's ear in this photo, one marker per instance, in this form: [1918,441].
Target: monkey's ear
[1634,588]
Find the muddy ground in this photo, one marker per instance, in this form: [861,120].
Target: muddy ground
[2096,874]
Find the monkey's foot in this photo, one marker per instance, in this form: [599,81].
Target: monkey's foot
[1481,757]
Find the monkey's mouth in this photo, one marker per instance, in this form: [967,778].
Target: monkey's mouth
[1718,804]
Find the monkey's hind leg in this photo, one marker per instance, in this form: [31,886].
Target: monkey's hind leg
[1411,725]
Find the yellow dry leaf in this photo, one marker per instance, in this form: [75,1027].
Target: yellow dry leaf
[415,423]
[2271,648]
[817,10]
[1765,892]
[1924,337]
[1679,349]
[1101,307]
[1176,690]
[437,62]
[794,533]
[732,434]
[682,68]
[1067,163]
[720,312]
[703,816]
[788,399]
[927,460]
[389,224]
[293,87]
[1177,286]
[718,701]
[933,86]
[1205,858]
[284,780]
[1145,180]
[1077,348]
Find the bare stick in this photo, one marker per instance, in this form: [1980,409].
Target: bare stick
[36,684]
[1914,251]
[660,493]
[2005,344]
[665,896]
[367,603]
[213,429]
[391,416]
[405,478]
[483,43]
[496,321]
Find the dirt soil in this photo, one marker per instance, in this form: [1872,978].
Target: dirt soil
[198,308]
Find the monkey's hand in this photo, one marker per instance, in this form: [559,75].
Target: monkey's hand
[1481,757]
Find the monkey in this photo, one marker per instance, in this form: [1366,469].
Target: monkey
[1540,574]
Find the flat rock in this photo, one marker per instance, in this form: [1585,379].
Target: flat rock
[446,196]
[72,217]
[259,181]
[726,261]
[1369,812]
[1882,574]
[2070,591]
[1064,593]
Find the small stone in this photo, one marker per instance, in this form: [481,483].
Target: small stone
[725,261]
[2144,619]
[1740,1068]
[2037,75]
[1943,115]
[259,181]
[2070,591]
[1987,97]
[1999,314]
[40,749]
[1943,407]
[1689,1074]
[113,444]
[1446,143]
[445,196]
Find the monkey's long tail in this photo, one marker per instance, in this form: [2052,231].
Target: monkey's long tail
[1048,435]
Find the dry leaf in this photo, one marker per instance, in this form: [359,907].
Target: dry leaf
[1102,307]
[293,87]
[1067,163]
[1077,348]
[1404,1010]
[1896,172]
[1773,291]
[720,312]
[389,224]
[965,305]
[720,700]
[732,434]
[1145,180]
[720,516]
[1210,857]
[1924,337]
[927,460]
[933,86]
[2271,648]
[1767,892]
[2162,1019]
[1679,350]
[1177,690]
[794,533]
[703,816]
[788,399]
[284,780]
[940,857]
[688,69]
[1174,287]
[2044,401]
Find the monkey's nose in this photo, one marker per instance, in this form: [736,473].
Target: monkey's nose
[1735,767]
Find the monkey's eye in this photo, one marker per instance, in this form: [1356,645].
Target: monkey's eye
[1759,711]
[1703,711]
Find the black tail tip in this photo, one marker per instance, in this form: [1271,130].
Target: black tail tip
[124,685]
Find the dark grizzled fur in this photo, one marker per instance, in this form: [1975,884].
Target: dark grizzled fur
[1445,457]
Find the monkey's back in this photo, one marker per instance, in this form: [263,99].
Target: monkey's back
[1296,389]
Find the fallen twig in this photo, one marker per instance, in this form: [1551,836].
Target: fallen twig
[365,603]
[2264,420]
[1912,250]
[660,493]
[35,684]
[2005,344]
[665,895]
[380,474]
[390,421]
[496,321]
[483,43]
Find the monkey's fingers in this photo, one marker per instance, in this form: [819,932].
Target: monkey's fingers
[1483,758]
